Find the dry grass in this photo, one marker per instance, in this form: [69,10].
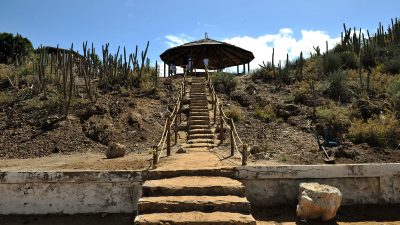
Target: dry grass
[380,132]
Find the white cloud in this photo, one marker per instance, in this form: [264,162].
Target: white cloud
[284,43]
[175,40]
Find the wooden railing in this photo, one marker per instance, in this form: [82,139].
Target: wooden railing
[227,122]
[170,123]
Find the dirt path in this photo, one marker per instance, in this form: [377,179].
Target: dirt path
[78,161]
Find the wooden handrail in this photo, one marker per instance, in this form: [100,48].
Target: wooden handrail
[171,120]
[223,120]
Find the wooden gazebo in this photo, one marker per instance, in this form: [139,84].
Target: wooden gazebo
[220,55]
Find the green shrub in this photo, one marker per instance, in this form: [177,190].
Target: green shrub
[5,99]
[335,118]
[349,60]
[394,92]
[336,85]
[226,79]
[13,46]
[264,74]
[392,65]
[266,114]
[331,62]
[378,132]
[235,113]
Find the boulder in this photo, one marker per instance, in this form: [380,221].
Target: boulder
[115,150]
[318,201]
[181,150]
[241,97]
[255,149]
[134,120]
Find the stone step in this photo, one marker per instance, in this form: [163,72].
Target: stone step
[199,127]
[192,186]
[198,122]
[174,204]
[200,131]
[201,113]
[201,140]
[198,97]
[199,118]
[200,136]
[198,145]
[198,109]
[195,218]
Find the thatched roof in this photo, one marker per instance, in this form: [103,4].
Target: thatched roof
[220,54]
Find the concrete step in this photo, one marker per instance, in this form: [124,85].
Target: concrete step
[198,122]
[201,140]
[192,186]
[200,131]
[174,204]
[200,136]
[195,218]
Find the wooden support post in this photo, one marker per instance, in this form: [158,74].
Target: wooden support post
[237,70]
[176,129]
[221,120]
[248,68]
[244,69]
[169,136]
[155,157]
[164,69]
[244,154]
[215,108]
[232,142]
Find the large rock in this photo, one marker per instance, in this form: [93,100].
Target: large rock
[115,150]
[241,97]
[318,201]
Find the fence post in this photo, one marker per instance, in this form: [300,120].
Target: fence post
[221,120]
[155,156]
[232,142]
[176,128]
[215,109]
[244,156]
[169,136]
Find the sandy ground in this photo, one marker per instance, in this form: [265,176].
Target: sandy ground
[355,215]
[78,161]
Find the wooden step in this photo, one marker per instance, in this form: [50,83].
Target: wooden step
[174,204]
[200,131]
[193,185]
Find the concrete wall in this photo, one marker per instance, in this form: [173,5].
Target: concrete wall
[69,192]
[359,183]
[119,191]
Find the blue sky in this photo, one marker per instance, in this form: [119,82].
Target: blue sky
[290,25]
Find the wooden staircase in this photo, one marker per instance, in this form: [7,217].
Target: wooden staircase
[197,196]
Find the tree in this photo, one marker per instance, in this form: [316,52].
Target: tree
[13,47]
